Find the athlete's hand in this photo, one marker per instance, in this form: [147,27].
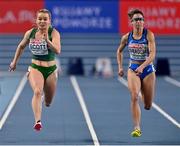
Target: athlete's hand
[45,36]
[12,66]
[139,70]
[121,72]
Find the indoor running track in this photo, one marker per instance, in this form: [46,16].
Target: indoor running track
[93,111]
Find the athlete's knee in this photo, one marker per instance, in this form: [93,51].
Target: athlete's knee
[134,97]
[147,106]
[47,104]
[37,92]
[147,103]
[48,101]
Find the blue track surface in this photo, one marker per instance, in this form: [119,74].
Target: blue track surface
[8,86]
[108,104]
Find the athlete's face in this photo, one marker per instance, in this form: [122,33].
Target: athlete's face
[43,20]
[137,21]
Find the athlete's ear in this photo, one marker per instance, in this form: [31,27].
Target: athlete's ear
[130,22]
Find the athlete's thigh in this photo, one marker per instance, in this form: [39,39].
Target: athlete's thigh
[134,82]
[50,85]
[148,86]
[36,79]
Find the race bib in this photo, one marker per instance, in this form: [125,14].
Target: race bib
[38,46]
[138,51]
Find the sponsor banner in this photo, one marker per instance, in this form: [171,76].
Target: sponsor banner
[18,16]
[160,17]
[84,16]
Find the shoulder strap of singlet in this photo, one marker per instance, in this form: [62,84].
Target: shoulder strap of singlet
[33,32]
[129,36]
[145,32]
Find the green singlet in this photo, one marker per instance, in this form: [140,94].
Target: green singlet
[39,48]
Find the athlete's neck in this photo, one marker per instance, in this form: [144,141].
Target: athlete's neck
[138,32]
[42,31]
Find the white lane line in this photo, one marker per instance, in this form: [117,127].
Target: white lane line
[166,115]
[13,101]
[84,109]
[172,81]
[155,106]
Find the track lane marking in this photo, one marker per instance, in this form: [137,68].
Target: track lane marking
[13,101]
[155,106]
[172,81]
[84,109]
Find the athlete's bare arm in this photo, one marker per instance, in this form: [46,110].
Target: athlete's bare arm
[19,50]
[152,49]
[120,54]
[55,44]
